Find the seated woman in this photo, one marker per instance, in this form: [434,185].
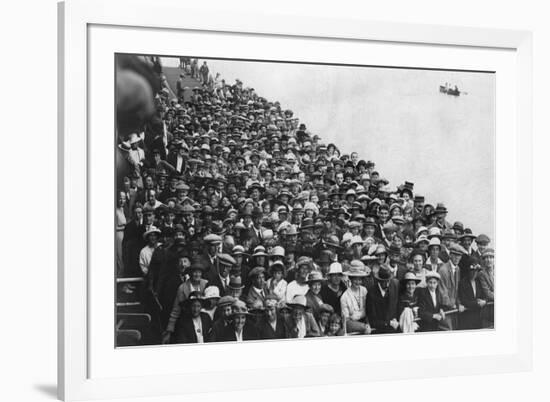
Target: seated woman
[417,259]
[353,303]
[430,303]
[194,326]
[240,329]
[407,306]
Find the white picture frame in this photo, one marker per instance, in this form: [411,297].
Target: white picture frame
[77,380]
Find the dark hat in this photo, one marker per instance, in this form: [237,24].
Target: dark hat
[384,273]
[235,282]
[193,296]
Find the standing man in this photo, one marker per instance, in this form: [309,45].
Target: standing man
[450,278]
[204,71]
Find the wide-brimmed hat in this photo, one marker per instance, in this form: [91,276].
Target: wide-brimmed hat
[411,276]
[383,274]
[277,266]
[432,274]
[239,308]
[196,265]
[314,276]
[259,251]
[298,301]
[467,234]
[356,271]
[151,230]
[193,296]
[303,260]
[226,301]
[434,232]
[421,239]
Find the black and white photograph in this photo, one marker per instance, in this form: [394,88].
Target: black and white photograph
[265,200]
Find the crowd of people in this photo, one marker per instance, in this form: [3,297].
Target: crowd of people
[241,224]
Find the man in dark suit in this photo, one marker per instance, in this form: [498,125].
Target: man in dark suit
[194,326]
[271,325]
[210,258]
[178,158]
[430,303]
[471,295]
[221,280]
[382,300]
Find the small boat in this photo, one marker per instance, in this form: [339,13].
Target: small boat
[449,91]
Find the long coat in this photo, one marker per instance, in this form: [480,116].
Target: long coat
[449,289]
[471,318]
[185,330]
[382,309]
[181,295]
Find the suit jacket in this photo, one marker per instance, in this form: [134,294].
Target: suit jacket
[312,329]
[185,330]
[249,333]
[217,282]
[382,309]
[449,284]
[426,308]
[471,318]
[266,331]
[252,296]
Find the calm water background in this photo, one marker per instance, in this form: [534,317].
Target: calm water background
[398,119]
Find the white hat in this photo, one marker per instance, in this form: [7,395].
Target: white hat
[356,240]
[346,237]
[434,241]
[335,268]
[211,292]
